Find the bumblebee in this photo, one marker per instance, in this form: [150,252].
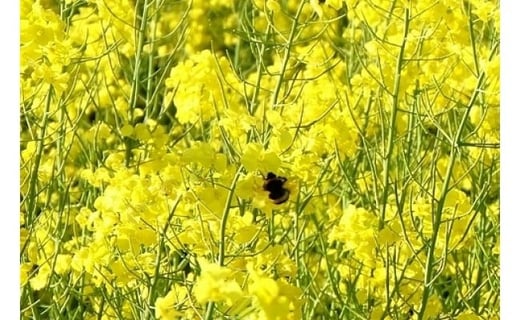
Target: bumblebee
[275,186]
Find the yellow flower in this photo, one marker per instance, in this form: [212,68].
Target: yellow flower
[433,308]
[25,273]
[217,284]
[275,298]
[484,10]
[40,280]
[165,307]
[256,158]
[198,93]
[244,228]
[62,264]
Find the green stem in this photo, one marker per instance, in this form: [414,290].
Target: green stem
[287,54]
[138,55]
[437,218]
[393,118]
[222,244]
[32,196]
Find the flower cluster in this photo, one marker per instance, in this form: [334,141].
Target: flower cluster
[150,130]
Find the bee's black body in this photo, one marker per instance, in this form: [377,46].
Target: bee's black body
[275,186]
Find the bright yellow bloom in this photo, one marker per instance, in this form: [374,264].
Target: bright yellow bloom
[165,307]
[216,284]
[276,298]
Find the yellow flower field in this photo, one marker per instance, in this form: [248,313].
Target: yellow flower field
[275,159]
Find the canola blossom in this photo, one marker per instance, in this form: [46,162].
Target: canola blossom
[149,129]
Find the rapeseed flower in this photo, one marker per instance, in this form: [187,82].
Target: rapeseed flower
[148,131]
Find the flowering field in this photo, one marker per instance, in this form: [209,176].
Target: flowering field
[259,159]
